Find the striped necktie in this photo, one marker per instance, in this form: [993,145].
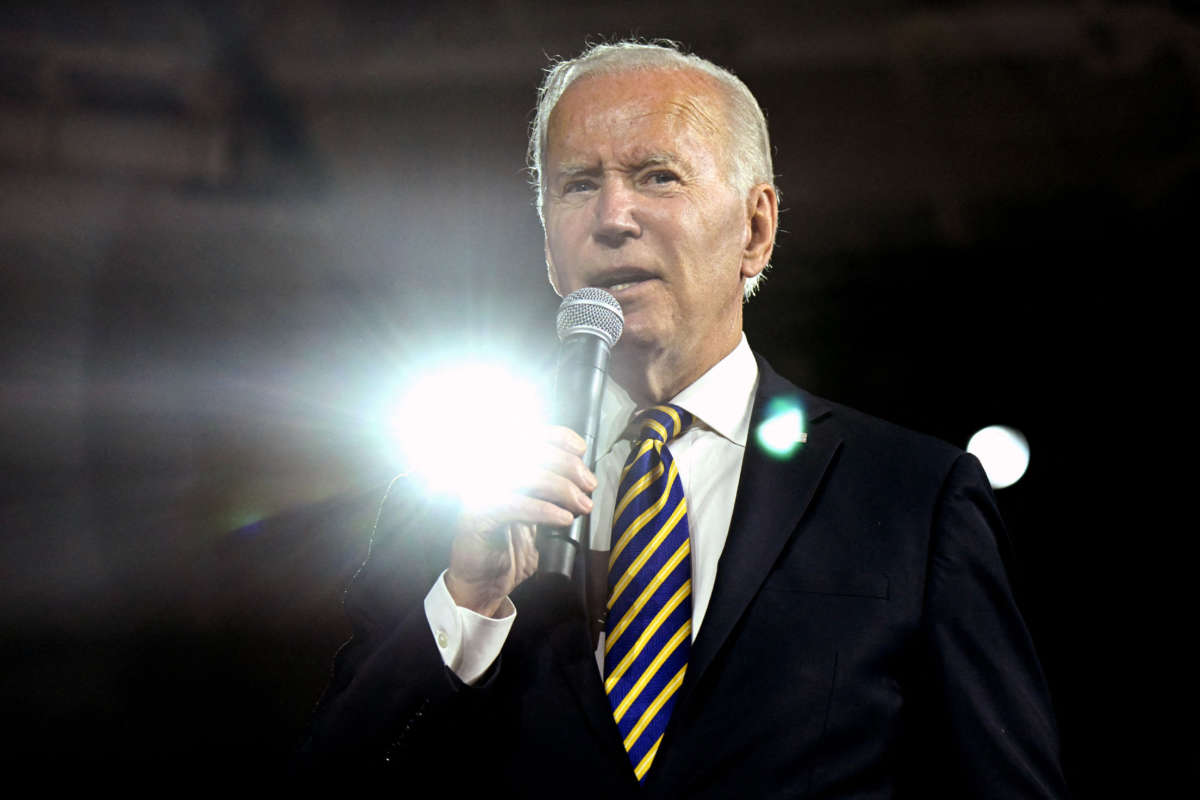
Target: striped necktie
[648,632]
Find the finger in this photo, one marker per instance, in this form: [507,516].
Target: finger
[517,508]
[566,439]
[524,550]
[558,490]
[569,466]
[524,534]
[535,511]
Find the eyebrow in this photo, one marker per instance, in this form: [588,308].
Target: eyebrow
[590,170]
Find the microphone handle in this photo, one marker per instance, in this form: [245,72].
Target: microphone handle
[578,393]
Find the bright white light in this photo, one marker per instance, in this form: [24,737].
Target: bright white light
[469,430]
[783,430]
[1003,452]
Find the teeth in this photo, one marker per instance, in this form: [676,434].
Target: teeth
[616,287]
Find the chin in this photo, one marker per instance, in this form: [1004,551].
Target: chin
[635,337]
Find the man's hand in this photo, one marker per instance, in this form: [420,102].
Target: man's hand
[494,547]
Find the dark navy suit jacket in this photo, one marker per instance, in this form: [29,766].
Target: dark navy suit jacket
[862,642]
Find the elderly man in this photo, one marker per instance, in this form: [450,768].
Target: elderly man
[833,620]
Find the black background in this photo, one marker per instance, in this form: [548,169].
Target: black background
[227,228]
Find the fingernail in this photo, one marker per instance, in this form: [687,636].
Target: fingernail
[587,503]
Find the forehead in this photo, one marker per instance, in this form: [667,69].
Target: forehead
[637,113]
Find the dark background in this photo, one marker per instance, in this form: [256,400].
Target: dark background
[227,228]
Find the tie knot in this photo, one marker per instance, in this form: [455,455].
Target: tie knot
[662,423]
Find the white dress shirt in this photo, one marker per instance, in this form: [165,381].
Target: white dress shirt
[709,458]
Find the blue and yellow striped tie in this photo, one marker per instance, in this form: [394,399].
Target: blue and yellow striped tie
[648,632]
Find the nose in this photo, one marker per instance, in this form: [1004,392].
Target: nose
[616,217]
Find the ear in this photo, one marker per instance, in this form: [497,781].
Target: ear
[762,220]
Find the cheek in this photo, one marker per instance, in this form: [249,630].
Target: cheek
[727,231]
[557,249]
[552,275]
[564,227]
[714,245]
[562,262]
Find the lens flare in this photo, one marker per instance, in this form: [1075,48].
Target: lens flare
[469,430]
[782,431]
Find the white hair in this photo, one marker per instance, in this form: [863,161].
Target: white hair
[749,143]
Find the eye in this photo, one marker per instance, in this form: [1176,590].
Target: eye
[579,185]
[660,177]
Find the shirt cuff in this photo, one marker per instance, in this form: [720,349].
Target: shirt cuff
[469,642]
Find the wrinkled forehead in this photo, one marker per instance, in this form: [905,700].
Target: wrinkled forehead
[657,110]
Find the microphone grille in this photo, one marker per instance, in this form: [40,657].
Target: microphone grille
[590,310]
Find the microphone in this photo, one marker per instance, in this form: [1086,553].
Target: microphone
[589,324]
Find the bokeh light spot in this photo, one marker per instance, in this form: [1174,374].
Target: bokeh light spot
[1004,453]
[782,430]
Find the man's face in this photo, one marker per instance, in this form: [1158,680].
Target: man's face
[639,202]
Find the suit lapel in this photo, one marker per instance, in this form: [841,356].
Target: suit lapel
[773,494]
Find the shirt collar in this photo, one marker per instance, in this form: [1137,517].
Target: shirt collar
[721,398]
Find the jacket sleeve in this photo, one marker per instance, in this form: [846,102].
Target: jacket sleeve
[390,695]
[992,732]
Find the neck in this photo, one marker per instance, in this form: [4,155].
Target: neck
[652,376]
